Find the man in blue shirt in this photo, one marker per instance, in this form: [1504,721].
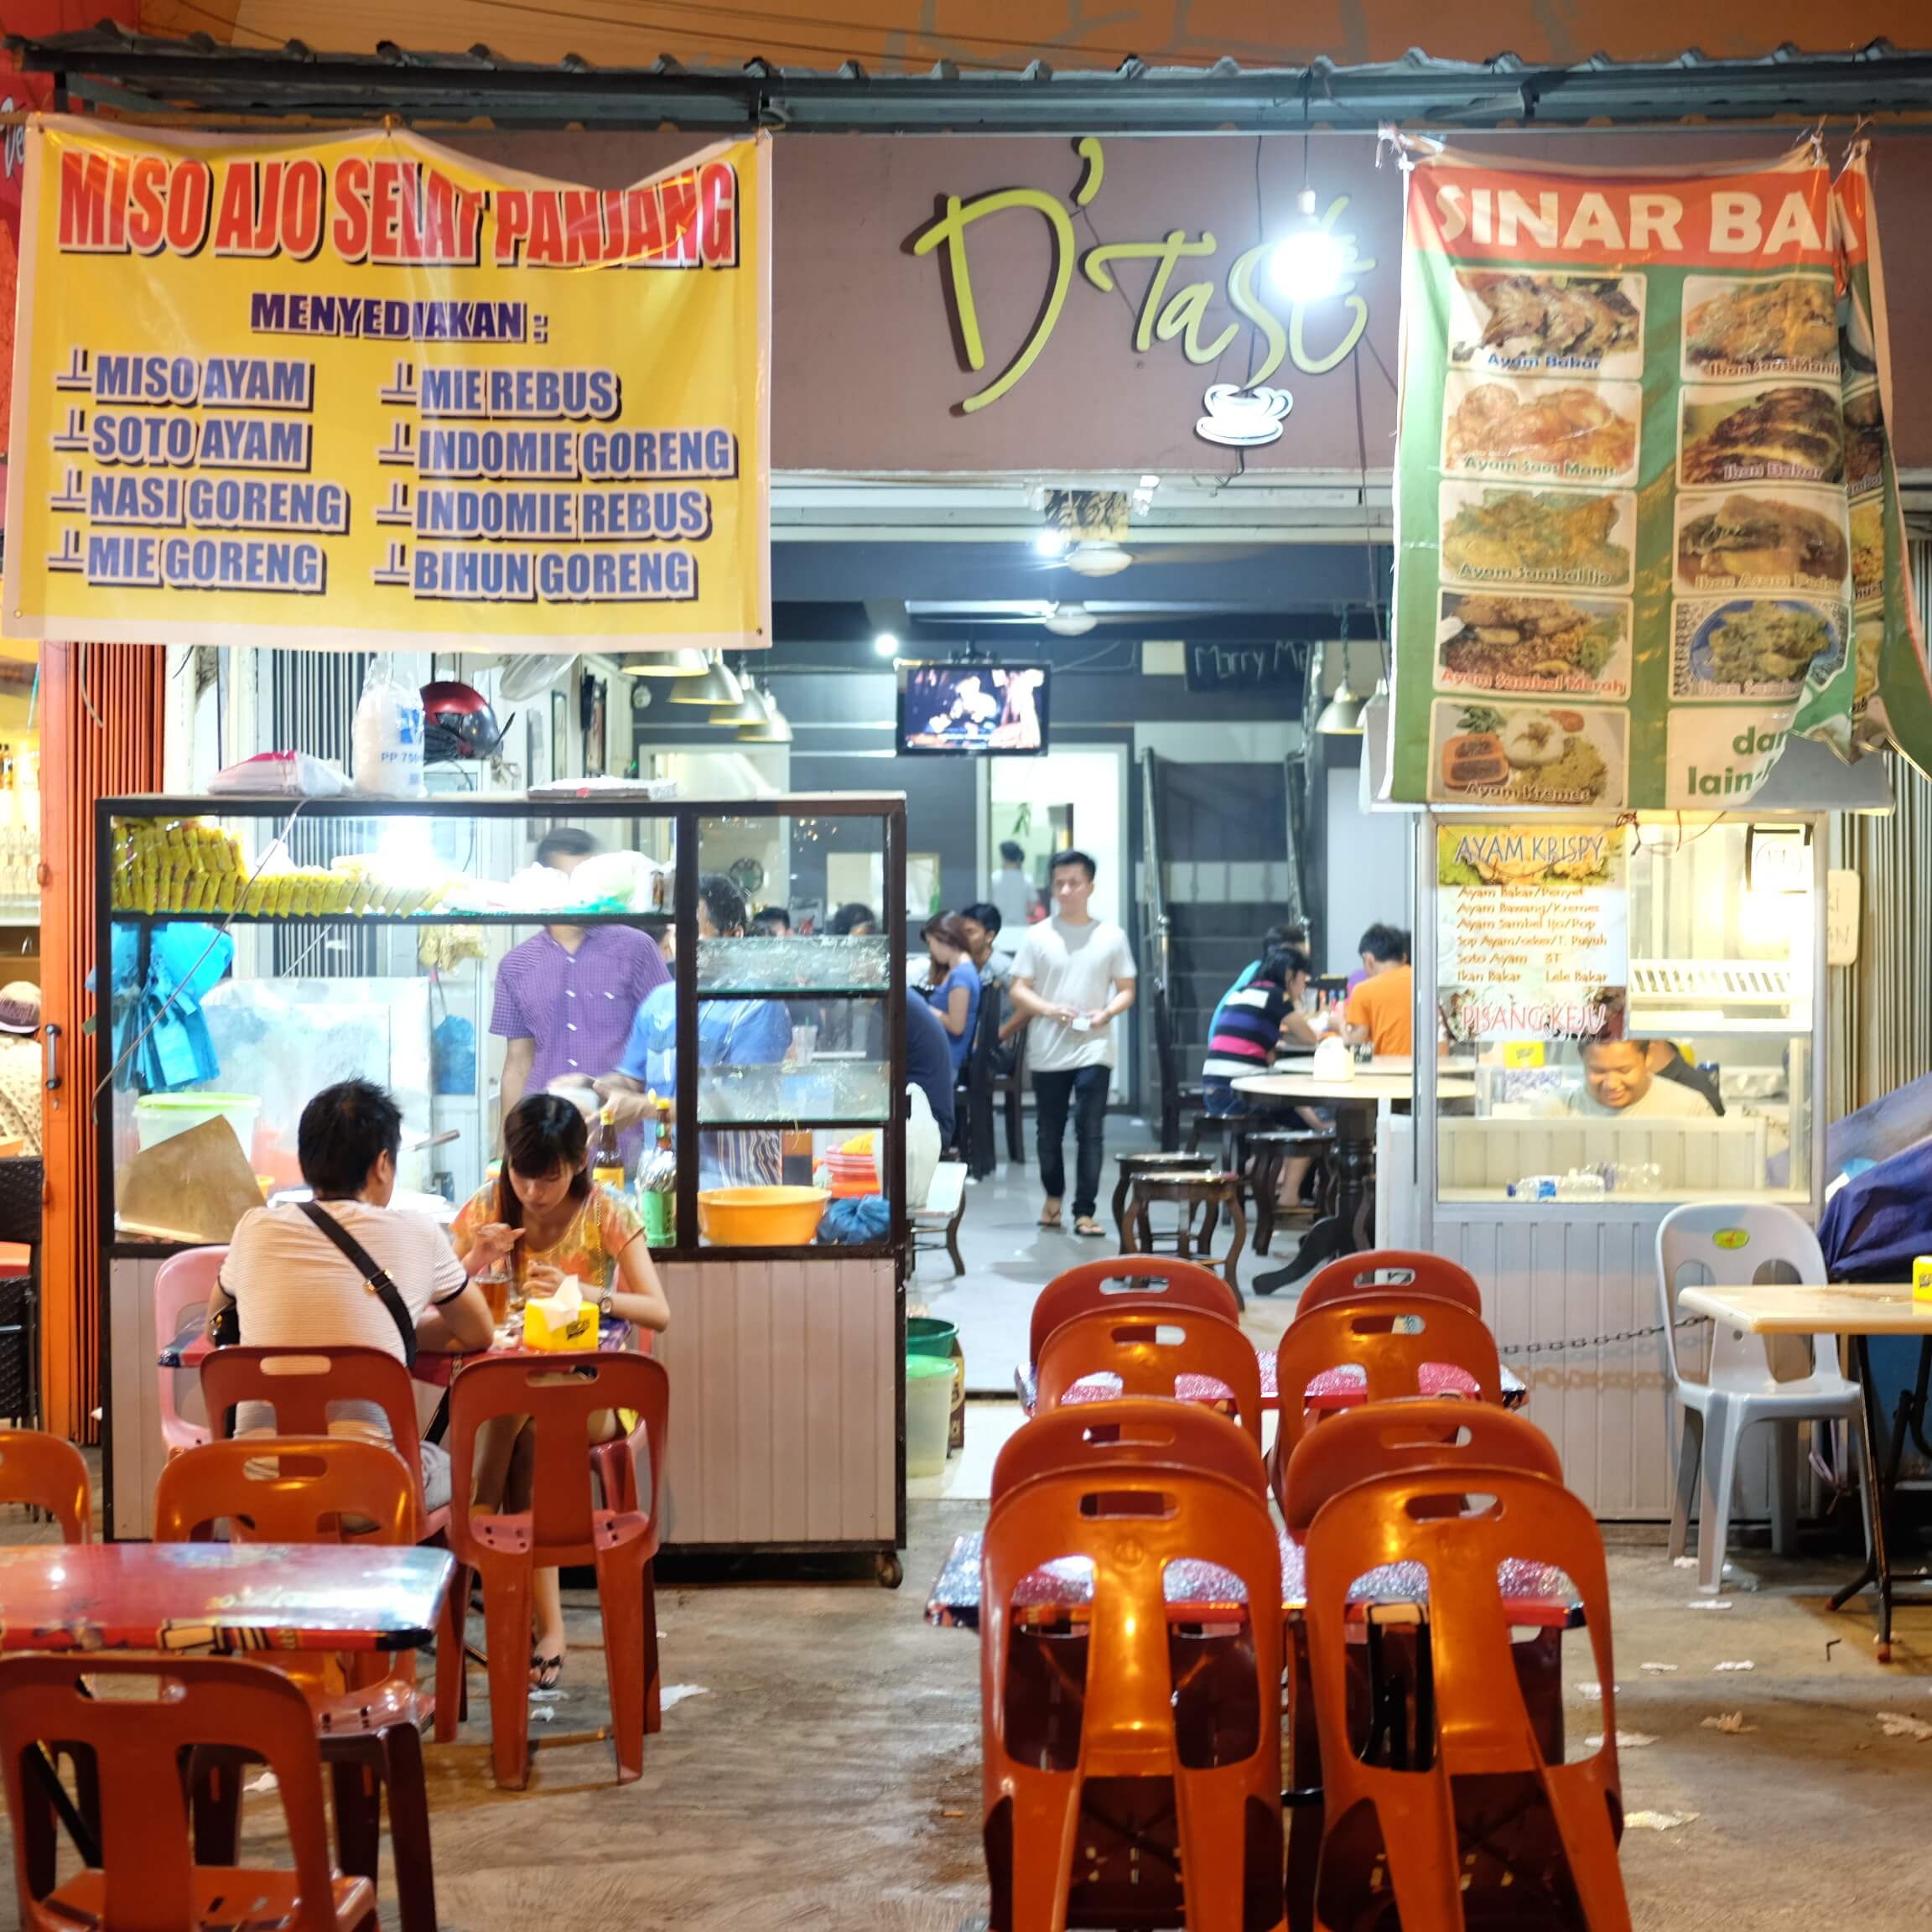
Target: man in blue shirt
[730,1033]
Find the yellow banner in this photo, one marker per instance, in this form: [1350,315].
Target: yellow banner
[326,390]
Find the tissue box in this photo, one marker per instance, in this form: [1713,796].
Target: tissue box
[543,1328]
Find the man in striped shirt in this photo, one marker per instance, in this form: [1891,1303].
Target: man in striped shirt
[1246,1030]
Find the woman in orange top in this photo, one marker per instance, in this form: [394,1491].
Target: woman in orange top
[544,1218]
[1381,1010]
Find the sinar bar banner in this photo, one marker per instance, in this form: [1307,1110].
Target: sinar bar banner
[318,391]
[1623,563]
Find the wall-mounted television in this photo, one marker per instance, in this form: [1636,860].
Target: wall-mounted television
[952,710]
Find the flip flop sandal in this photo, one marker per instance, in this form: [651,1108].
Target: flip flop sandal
[544,1671]
[1091,1228]
[1051,1220]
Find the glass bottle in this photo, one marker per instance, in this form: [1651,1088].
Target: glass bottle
[607,1169]
[657,1184]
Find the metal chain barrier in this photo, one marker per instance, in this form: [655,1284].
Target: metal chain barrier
[1596,1341]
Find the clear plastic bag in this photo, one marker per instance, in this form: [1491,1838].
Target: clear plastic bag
[388,735]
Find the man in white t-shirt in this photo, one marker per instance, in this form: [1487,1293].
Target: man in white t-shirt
[292,1287]
[1620,1084]
[1073,977]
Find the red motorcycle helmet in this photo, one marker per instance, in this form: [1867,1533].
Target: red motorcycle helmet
[457,723]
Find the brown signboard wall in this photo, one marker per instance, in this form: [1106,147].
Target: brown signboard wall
[871,374]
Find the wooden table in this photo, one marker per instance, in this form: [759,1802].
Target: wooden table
[1355,1102]
[219,1596]
[1857,1310]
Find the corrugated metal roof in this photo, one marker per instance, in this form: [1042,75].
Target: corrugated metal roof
[109,66]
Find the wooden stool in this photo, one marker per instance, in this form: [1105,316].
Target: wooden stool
[1271,1152]
[1233,1131]
[1210,1192]
[1149,1161]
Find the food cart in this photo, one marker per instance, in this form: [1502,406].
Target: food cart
[1706,932]
[258,949]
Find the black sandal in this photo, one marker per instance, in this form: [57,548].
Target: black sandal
[545,1671]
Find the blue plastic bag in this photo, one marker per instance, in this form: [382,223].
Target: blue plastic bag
[860,1218]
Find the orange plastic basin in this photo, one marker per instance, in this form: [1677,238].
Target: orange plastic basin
[761,1217]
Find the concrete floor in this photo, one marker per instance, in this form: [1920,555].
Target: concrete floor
[825,1770]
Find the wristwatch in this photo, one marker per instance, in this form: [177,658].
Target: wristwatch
[606,1304]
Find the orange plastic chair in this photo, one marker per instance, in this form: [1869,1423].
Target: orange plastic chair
[1483,1728]
[1382,1439]
[1227,1800]
[1418,1432]
[299,1489]
[1090,1438]
[1165,1281]
[1131,1346]
[45,1472]
[302,1386]
[148,1878]
[183,1281]
[1351,1278]
[559,1395]
[1363,1332]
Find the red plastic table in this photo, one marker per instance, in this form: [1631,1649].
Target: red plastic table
[221,1597]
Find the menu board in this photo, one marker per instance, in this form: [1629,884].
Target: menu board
[1532,930]
[327,389]
[1892,695]
[1624,560]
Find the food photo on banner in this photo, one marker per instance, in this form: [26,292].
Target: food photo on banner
[1643,494]
[403,394]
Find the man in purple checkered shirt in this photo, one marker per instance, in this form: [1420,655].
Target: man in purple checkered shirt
[565,1000]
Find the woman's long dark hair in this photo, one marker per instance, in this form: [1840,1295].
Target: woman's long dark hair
[544,1132]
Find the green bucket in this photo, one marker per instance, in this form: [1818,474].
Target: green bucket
[927,1335]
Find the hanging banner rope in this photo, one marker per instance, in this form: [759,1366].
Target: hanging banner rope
[320,390]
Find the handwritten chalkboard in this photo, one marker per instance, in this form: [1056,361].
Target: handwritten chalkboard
[1275,667]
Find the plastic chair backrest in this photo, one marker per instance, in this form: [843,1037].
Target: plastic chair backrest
[1352,1278]
[47,1473]
[300,1384]
[560,1394]
[1091,1437]
[1732,1244]
[183,1281]
[1165,1279]
[1483,1726]
[1388,1438]
[139,1746]
[180,1282]
[1392,1360]
[1127,1724]
[1147,1352]
[286,1489]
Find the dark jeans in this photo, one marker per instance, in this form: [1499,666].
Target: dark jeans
[1085,1090]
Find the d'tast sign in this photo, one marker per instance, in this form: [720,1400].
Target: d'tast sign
[1186,299]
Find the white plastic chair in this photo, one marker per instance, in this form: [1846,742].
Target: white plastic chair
[1740,1389]
[183,1281]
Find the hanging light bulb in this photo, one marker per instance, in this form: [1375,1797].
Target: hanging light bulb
[684,663]
[1308,263]
[1342,714]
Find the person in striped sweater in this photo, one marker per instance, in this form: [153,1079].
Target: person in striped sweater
[1244,1036]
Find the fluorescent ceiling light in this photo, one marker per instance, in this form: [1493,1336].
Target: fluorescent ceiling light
[886,644]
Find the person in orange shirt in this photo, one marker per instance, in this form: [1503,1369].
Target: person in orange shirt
[1380,1010]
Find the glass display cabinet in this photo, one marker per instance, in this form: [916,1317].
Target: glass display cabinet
[1624,1014]
[259,949]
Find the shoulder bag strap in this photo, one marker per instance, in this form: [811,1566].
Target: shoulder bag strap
[375,1278]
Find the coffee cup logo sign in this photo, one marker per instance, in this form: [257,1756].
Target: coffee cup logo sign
[1178,306]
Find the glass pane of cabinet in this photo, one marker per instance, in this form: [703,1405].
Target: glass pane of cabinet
[1702,1082]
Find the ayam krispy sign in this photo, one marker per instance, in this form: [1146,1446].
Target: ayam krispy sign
[1210,299]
